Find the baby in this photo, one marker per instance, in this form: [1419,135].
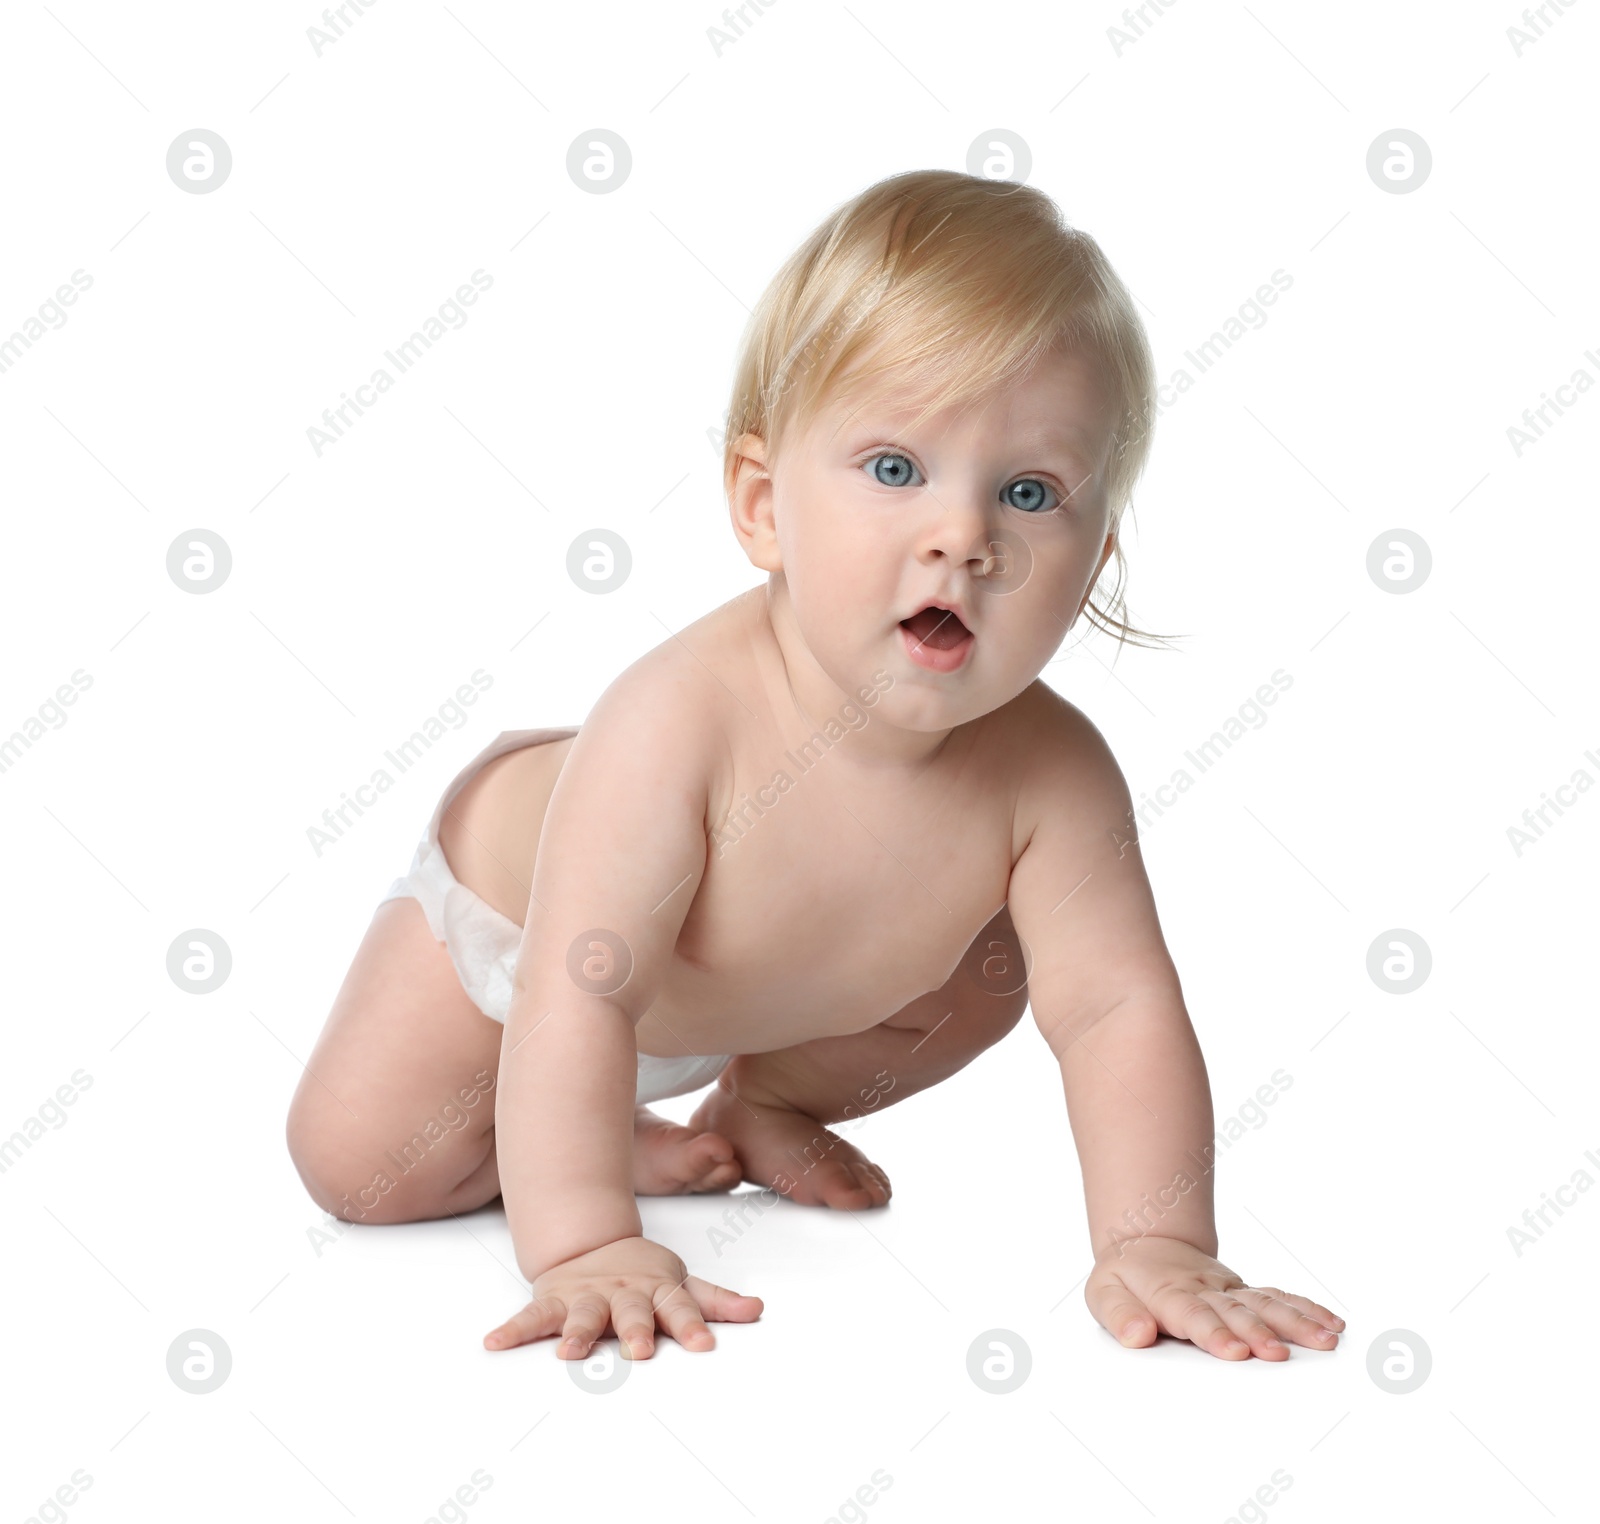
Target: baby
[825,845]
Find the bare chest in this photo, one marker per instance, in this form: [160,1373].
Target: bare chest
[828,904]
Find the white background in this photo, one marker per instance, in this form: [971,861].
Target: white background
[367,584]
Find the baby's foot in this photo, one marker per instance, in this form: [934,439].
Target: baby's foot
[776,1144]
[669,1160]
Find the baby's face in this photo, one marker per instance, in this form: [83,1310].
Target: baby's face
[996,512]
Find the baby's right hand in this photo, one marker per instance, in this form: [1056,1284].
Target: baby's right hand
[628,1284]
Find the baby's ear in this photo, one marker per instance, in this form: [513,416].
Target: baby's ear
[750,502]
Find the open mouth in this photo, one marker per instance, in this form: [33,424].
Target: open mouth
[936,639]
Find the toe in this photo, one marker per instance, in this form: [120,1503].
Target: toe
[850,1187]
[709,1163]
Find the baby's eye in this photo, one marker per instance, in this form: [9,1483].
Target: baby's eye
[1029,495]
[897,469]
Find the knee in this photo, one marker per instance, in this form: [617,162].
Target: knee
[320,1158]
[344,1173]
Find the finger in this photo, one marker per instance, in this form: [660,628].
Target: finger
[1312,1309]
[680,1316]
[1121,1313]
[586,1321]
[635,1323]
[1187,1317]
[1244,1321]
[1288,1318]
[721,1305]
[541,1316]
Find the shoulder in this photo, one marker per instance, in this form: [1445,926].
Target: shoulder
[667,717]
[1066,768]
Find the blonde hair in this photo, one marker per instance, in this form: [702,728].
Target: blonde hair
[957,285]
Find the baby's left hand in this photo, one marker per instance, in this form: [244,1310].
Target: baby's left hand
[1163,1285]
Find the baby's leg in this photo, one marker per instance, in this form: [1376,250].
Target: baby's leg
[393,1119]
[771,1106]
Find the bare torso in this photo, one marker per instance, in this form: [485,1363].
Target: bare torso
[833,903]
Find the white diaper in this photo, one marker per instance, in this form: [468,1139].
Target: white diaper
[483,944]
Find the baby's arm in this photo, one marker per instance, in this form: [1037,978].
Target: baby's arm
[620,857]
[1107,999]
